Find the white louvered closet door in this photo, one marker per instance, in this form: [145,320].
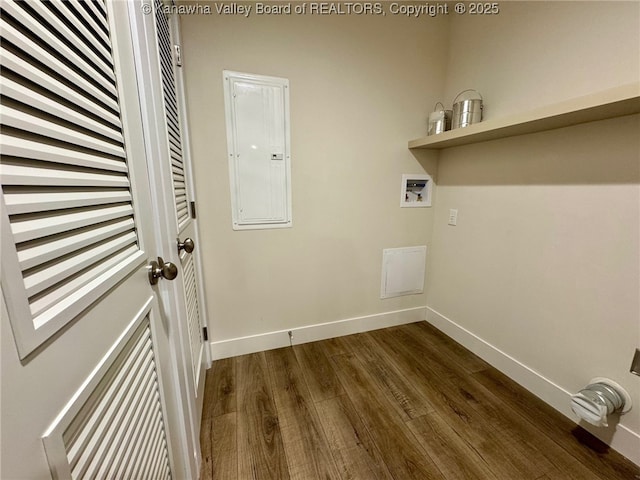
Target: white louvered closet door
[159,78]
[185,213]
[86,363]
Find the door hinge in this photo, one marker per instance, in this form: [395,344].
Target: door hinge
[178,55]
[193,209]
[205,334]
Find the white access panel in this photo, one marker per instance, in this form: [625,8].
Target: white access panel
[257,117]
[403,271]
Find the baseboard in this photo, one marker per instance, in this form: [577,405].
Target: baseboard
[312,333]
[625,441]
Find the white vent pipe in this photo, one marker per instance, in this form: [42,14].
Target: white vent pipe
[602,397]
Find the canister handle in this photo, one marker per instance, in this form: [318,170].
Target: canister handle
[468,90]
[435,106]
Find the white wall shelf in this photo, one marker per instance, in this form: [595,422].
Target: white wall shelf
[616,102]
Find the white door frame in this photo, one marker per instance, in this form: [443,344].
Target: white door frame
[156,142]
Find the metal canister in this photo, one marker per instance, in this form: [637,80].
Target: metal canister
[468,111]
[439,120]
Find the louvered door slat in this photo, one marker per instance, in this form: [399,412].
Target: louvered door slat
[43,79]
[151,470]
[171,113]
[101,8]
[176,168]
[126,445]
[172,104]
[179,178]
[159,453]
[193,314]
[172,117]
[104,75]
[29,202]
[34,99]
[110,445]
[38,252]
[146,463]
[23,148]
[150,442]
[66,221]
[62,270]
[55,300]
[177,163]
[86,447]
[94,455]
[52,12]
[174,151]
[92,5]
[78,440]
[42,174]
[44,57]
[143,439]
[118,430]
[172,110]
[174,129]
[138,436]
[98,29]
[183,214]
[12,117]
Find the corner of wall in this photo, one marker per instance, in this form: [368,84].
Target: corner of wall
[622,439]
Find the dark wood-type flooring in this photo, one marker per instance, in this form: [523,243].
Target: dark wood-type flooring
[400,403]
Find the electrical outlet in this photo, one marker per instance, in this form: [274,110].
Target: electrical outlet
[453,217]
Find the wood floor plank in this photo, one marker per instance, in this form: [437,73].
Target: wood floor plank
[400,392]
[206,445]
[220,388]
[335,346]
[583,446]
[260,450]
[454,456]
[305,445]
[321,378]
[220,453]
[447,347]
[397,445]
[525,438]
[355,453]
[508,455]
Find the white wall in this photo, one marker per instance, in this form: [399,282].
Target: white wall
[544,263]
[536,53]
[360,87]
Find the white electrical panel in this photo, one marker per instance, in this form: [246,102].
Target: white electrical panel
[415,190]
[258,144]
